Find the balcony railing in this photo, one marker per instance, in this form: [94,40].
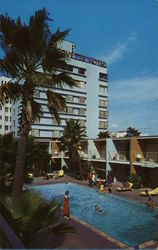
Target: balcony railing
[8,238]
[118,156]
[151,156]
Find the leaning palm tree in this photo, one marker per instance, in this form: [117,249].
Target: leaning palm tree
[32,213]
[32,60]
[71,142]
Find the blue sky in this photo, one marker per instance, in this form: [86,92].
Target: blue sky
[124,33]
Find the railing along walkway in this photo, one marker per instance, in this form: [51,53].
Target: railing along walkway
[8,239]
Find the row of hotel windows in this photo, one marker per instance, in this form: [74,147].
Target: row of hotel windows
[7,109]
[76,70]
[79,84]
[82,71]
[7,118]
[80,99]
[58,133]
[80,111]
[6,127]
[52,121]
[103,124]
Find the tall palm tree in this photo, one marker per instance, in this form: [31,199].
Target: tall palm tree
[71,142]
[31,59]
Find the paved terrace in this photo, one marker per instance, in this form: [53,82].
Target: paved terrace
[87,237]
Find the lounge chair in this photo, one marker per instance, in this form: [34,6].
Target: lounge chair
[152,192]
[129,188]
[61,173]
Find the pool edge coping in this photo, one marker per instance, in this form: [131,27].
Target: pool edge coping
[99,232]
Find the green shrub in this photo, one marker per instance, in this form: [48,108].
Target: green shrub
[136,180]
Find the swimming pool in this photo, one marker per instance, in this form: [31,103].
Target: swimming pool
[127,221]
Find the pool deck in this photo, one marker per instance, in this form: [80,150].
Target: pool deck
[87,237]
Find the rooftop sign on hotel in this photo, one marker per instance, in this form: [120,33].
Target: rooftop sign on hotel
[87,59]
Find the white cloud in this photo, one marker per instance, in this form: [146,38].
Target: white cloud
[120,50]
[133,103]
[114,125]
[134,90]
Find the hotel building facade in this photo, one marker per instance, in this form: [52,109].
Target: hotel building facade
[5,112]
[87,102]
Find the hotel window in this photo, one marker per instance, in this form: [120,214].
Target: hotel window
[61,133]
[6,118]
[103,76]
[81,84]
[10,119]
[81,71]
[35,132]
[82,123]
[82,100]
[0,126]
[69,68]
[6,109]
[103,114]
[81,111]
[14,123]
[69,98]
[102,88]
[56,133]
[75,99]
[75,111]
[103,124]
[0,117]
[10,109]
[6,127]
[0,107]
[69,110]
[37,93]
[103,103]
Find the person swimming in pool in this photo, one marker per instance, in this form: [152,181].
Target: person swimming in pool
[99,210]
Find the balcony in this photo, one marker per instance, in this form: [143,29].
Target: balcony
[118,156]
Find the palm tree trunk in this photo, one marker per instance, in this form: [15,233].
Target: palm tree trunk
[24,127]
[20,163]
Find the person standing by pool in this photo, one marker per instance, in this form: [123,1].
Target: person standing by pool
[149,202]
[66,210]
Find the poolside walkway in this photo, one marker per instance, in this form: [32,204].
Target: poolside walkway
[87,237]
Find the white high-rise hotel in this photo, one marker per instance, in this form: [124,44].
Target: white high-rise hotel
[87,103]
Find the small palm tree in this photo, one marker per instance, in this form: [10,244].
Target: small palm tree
[105,134]
[71,142]
[34,214]
[132,132]
[31,59]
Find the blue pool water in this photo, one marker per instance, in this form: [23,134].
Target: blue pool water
[124,220]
